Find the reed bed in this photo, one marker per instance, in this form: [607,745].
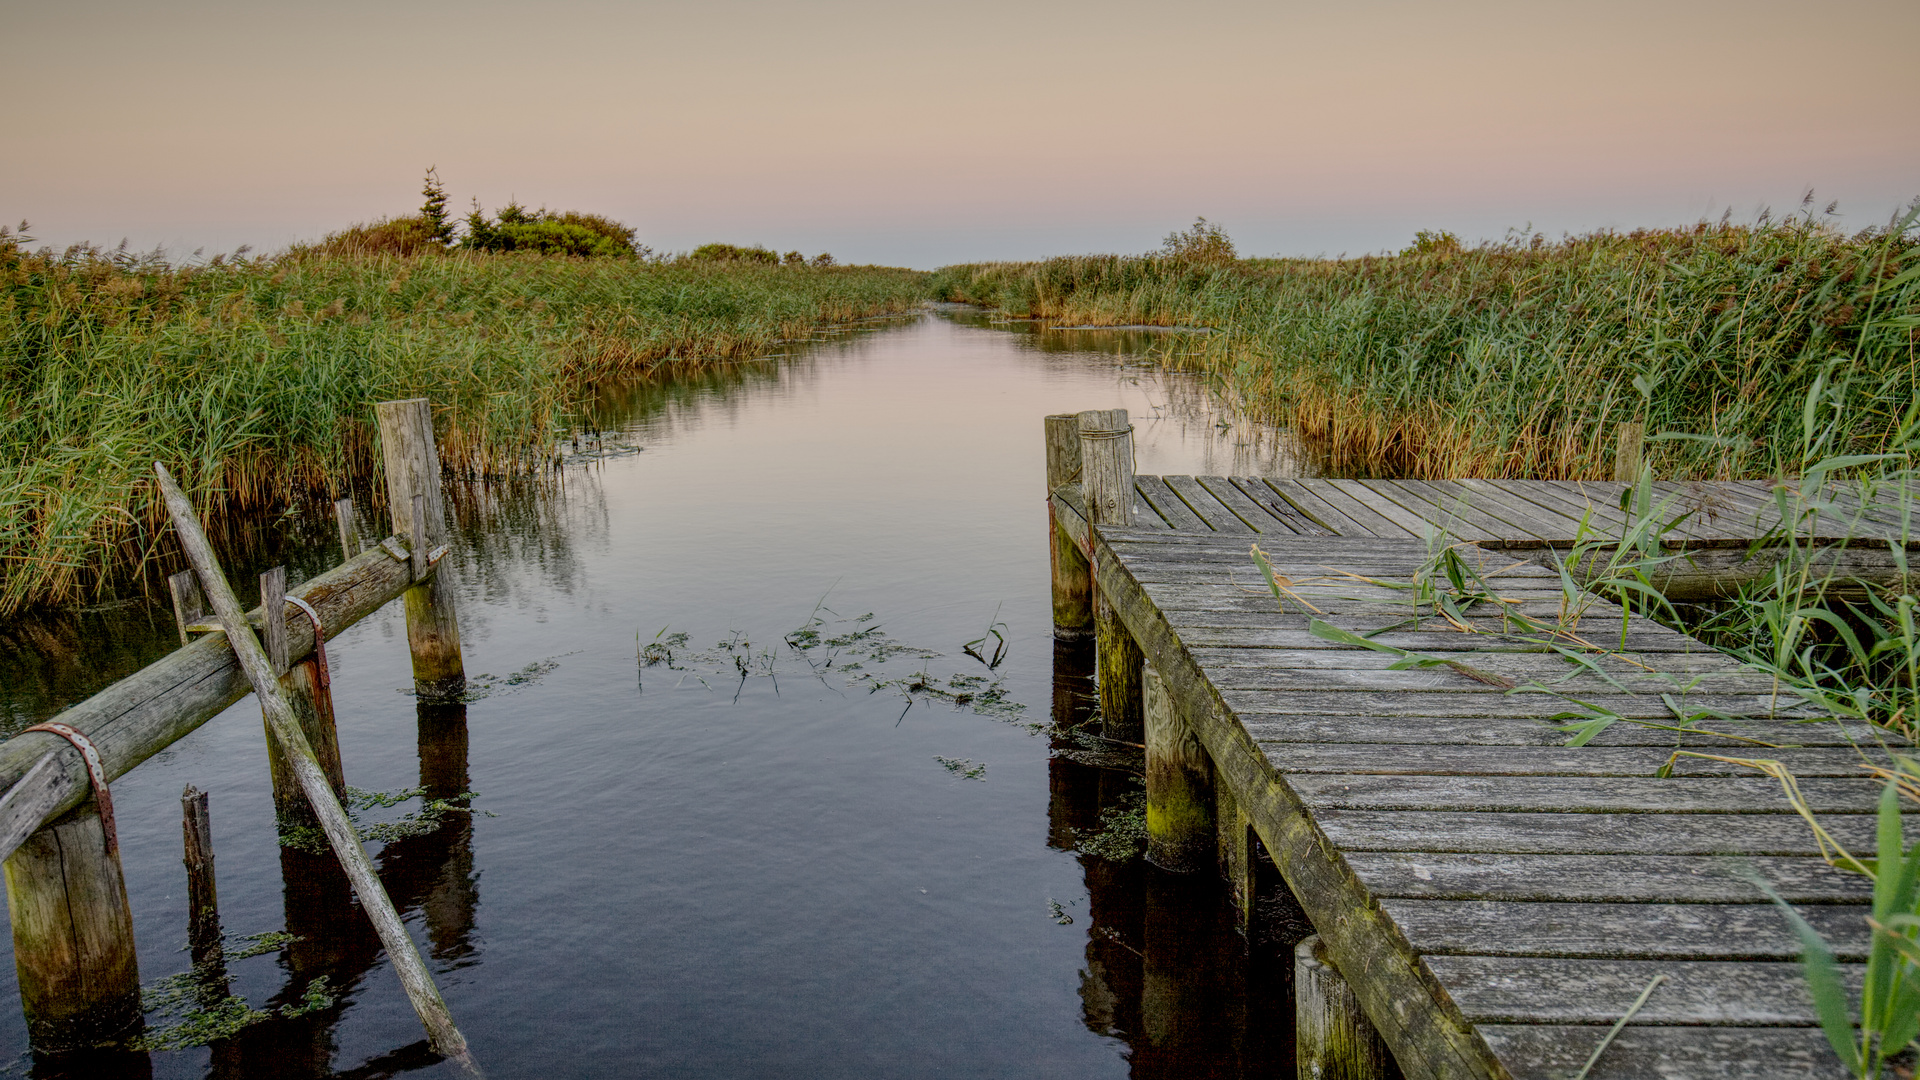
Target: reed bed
[1517,359]
[254,379]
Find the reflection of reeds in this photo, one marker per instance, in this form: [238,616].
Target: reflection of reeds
[1517,359]
[255,379]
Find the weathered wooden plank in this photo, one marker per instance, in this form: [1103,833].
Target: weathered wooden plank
[1456,506]
[1540,706]
[1392,504]
[1539,990]
[1623,931]
[1509,731]
[1166,503]
[1706,795]
[1444,680]
[1252,513]
[1592,834]
[1679,879]
[1538,666]
[1692,1052]
[1330,517]
[1384,520]
[1217,515]
[1414,759]
[1604,519]
[1259,630]
[1292,517]
[1551,524]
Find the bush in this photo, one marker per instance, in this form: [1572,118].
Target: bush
[734,253]
[404,236]
[1204,244]
[549,233]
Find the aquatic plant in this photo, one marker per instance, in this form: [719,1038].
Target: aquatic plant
[1518,358]
[254,378]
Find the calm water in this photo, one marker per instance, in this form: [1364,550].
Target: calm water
[765,855]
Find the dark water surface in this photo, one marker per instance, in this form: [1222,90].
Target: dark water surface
[749,860]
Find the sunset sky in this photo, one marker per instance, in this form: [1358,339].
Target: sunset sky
[921,134]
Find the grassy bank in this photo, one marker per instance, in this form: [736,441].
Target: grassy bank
[1517,359]
[254,380]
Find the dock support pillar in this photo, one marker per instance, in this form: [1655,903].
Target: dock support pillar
[1106,478]
[1072,574]
[413,488]
[1333,1038]
[1179,785]
[312,705]
[1237,858]
[73,937]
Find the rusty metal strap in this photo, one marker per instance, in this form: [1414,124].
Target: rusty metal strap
[96,772]
[319,638]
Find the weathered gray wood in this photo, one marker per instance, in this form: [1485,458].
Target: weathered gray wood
[149,710]
[204,936]
[1591,834]
[1384,520]
[1553,990]
[1118,660]
[273,618]
[1241,630]
[1180,835]
[1540,706]
[1576,794]
[1629,444]
[1148,515]
[1333,1039]
[1252,514]
[1623,931]
[1106,466]
[1217,516]
[285,725]
[349,535]
[1493,732]
[1694,1051]
[73,937]
[1330,517]
[33,799]
[1691,879]
[1551,526]
[1389,505]
[1170,506]
[1234,853]
[189,606]
[1414,759]
[413,469]
[1445,680]
[1072,574]
[1282,509]
[1542,667]
[1454,509]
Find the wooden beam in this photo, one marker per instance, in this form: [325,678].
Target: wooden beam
[414,498]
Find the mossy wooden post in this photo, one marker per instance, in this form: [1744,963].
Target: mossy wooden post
[1627,454]
[1179,785]
[1072,576]
[1333,1039]
[203,897]
[413,469]
[312,705]
[1106,471]
[1235,854]
[73,937]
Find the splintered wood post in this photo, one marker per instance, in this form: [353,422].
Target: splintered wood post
[273,613]
[413,469]
[1106,470]
[349,536]
[73,937]
[1179,785]
[444,1037]
[1626,457]
[1072,575]
[1333,1039]
[203,897]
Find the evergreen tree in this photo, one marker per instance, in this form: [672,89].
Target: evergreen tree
[435,209]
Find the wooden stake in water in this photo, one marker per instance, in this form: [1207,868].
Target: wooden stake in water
[1072,576]
[285,727]
[203,896]
[413,497]
[1333,1039]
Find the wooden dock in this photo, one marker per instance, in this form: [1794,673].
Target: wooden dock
[1495,899]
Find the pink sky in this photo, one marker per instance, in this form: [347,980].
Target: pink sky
[922,134]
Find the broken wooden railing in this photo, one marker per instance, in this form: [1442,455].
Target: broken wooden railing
[71,920]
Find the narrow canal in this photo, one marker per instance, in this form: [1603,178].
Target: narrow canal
[764,743]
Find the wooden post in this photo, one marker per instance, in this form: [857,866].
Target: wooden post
[1072,574]
[1179,785]
[189,606]
[203,897]
[413,497]
[312,704]
[444,1037]
[1106,478]
[1626,457]
[1333,1039]
[1236,856]
[73,937]
[273,617]
[349,536]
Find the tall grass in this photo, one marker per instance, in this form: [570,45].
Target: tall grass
[1517,358]
[255,379]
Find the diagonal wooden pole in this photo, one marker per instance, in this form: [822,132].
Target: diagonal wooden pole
[285,726]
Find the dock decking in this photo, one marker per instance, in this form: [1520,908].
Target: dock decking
[1496,899]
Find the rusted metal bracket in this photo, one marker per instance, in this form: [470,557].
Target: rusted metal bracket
[96,772]
[319,639]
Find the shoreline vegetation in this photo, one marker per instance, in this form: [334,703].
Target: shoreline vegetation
[1518,358]
[254,377]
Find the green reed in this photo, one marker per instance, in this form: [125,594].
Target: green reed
[1519,358]
[254,379]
